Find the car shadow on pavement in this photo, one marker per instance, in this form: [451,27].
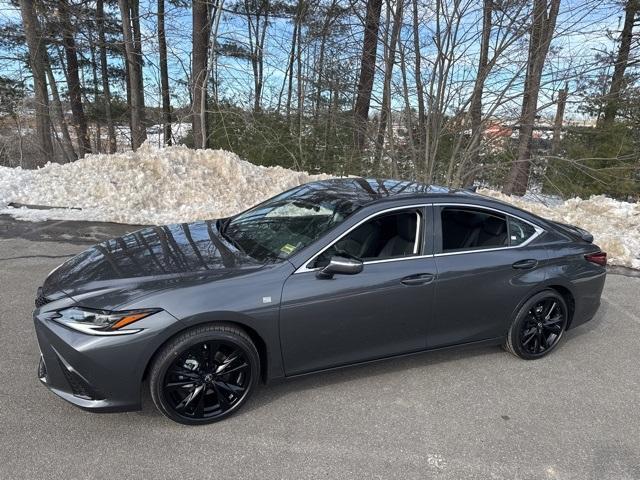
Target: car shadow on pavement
[272,393]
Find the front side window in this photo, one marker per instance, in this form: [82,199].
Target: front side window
[469,229]
[390,235]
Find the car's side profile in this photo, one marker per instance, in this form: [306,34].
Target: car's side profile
[326,275]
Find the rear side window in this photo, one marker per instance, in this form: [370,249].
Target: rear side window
[470,229]
[519,231]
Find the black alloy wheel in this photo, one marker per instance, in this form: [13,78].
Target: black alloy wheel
[538,326]
[205,374]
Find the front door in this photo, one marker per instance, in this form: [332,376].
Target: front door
[379,312]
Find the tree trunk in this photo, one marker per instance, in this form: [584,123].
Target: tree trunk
[557,124]
[301,94]
[292,54]
[73,79]
[104,73]
[37,62]
[256,34]
[164,76]
[367,72]
[622,60]
[326,24]
[418,73]
[475,108]
[96,100]
[200,24]
[58,112]
[135,82]
[542,27]
[385,111]
[134,5]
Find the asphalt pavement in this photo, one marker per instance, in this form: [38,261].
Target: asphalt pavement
[474,413]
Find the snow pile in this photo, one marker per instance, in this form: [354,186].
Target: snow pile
[615,225]
[177,184]
[149,186]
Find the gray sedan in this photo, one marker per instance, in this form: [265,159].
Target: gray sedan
[325,275]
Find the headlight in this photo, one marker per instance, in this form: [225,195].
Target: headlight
[101,322]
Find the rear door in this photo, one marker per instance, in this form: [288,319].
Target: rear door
[487,263]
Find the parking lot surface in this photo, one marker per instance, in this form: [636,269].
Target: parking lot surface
[473,413]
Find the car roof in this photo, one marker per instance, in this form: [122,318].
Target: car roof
[370,190]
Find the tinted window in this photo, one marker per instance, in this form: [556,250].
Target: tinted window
[386,236]
[519,231]
[468,228]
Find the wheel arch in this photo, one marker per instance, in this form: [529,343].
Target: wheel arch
[256,338]
[569,299]
[559,285]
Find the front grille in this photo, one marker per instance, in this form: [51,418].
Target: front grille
[79,386]
[41,299]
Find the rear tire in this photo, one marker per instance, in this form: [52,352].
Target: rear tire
[204,374]
[538,326]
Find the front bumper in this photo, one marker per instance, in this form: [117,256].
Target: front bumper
[102,374]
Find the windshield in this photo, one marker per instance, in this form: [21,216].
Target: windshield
[288,222]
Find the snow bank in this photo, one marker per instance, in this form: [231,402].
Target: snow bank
[615,225]
[176,184]
[149,186]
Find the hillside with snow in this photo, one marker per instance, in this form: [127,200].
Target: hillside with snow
[177,184]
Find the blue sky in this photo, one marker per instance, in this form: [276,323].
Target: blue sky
[588,22]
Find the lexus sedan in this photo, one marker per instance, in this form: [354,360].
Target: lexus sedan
[325,275]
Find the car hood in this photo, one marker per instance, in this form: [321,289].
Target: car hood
[150,259]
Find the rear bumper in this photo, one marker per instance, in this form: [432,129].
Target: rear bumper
[101,374]
[588,293]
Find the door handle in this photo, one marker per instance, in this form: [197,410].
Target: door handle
[525,264]
[419,279]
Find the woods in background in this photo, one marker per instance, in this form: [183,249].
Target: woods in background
[525,95]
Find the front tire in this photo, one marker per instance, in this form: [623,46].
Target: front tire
[538,326]
[205,374]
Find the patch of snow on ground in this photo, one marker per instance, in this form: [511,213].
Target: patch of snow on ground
[177,184]
[615,225]
[149,186]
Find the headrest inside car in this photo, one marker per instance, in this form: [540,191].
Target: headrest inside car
[493,225]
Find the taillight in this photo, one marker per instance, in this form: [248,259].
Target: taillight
[599,258]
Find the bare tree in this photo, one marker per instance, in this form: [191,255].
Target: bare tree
[104,74]
[257,15]
[134,73]
[557,124]
[543,23]
[475,109]
[418,71]
[390,58]
[73,79]
[367,71]
[58,112]
[164,76]
[200,26]
[37,62]
[622,60]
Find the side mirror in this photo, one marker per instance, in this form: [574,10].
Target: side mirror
[340,265]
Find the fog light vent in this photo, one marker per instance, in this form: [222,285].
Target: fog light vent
[79,386]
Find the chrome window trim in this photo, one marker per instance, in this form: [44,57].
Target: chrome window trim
[538,230]
[303,268]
